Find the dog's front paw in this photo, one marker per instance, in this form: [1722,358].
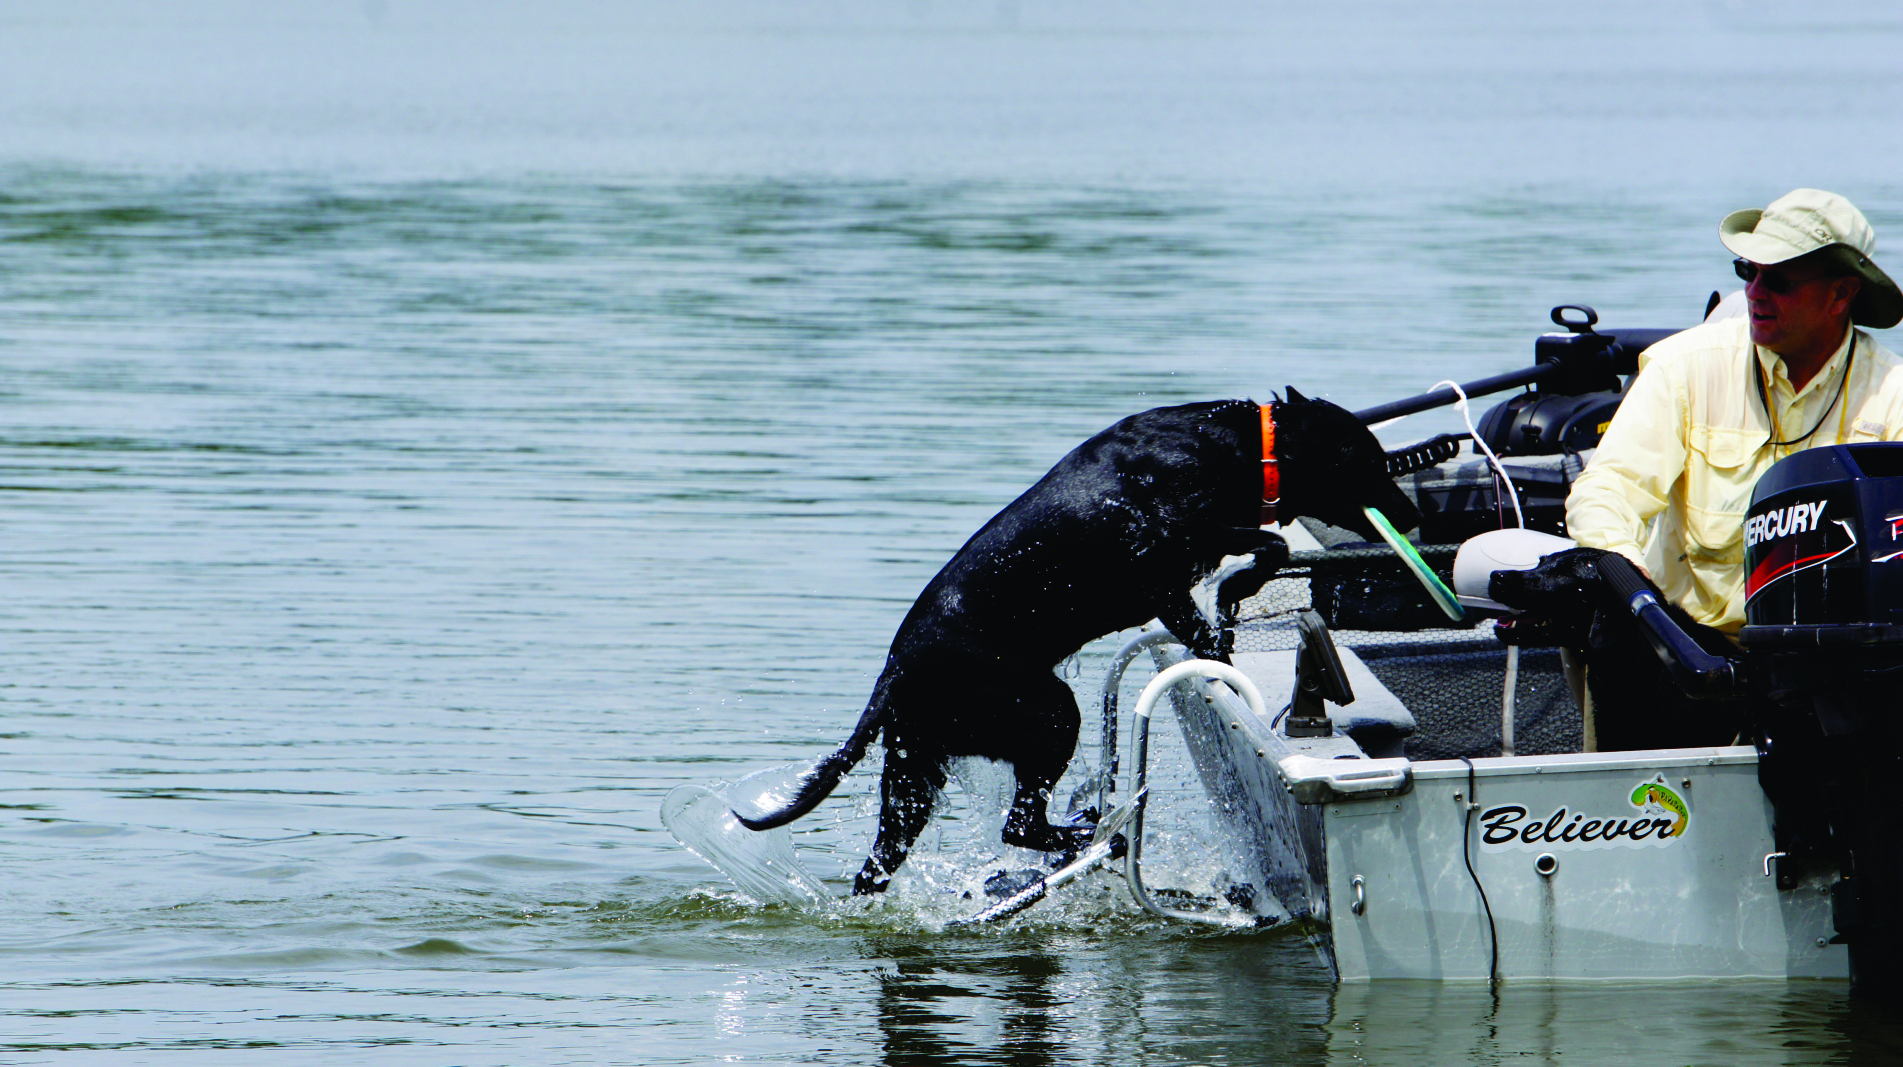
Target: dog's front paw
[1237,584]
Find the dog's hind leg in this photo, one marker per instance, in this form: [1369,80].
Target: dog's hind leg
[1047,715]
[908,790]
[1027,824]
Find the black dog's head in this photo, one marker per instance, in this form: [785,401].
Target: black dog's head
[1561,598]
[1332,467]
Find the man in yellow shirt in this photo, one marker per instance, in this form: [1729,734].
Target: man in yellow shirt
[1714,407]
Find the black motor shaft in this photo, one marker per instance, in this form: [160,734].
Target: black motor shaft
[1824,613]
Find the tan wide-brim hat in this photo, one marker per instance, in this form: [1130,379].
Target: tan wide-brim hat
[1803,221]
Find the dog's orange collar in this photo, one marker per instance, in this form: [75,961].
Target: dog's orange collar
[1271,471]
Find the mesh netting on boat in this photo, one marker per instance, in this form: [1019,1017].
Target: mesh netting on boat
[1449,675]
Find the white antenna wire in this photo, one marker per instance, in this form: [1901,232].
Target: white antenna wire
[1492,460]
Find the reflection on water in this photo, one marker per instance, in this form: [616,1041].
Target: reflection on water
[1263,1000]
[1711,1022]
[1149,999]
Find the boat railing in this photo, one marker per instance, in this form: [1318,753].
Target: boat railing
[1165,680]
[1103,781]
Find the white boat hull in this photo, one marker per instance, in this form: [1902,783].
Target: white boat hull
[1694,905]
[1641,895]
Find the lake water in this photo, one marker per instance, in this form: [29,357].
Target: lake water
[433,432]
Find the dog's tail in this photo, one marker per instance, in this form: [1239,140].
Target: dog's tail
[818,784]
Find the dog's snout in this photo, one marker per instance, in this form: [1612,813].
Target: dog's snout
[1395,506]
[1404,515]
[1506,586]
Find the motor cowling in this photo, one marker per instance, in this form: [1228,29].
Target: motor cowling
[1824,547]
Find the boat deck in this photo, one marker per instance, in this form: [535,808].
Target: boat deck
[1450,677]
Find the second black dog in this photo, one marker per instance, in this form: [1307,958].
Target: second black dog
[1636,704]
[1119,532]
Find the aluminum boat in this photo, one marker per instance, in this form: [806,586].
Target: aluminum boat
[1431,803]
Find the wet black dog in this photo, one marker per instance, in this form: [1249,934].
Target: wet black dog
[1636,705]
[1119,532]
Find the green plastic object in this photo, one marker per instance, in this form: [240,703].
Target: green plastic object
[1435,587]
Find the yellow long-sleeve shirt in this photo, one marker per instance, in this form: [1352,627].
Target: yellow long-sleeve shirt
[1672,478]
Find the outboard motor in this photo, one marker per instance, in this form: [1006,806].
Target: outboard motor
[1824,614]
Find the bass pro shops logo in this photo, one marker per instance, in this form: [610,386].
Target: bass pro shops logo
[1659,818]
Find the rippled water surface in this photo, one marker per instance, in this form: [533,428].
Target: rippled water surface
[431,434]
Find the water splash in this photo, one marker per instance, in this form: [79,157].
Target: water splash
[761,863]
[764,792]
[944,879]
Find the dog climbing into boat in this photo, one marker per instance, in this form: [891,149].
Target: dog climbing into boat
[1636,704]
[1120,531]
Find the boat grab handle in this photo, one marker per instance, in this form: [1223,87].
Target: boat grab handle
[1104,781]
[1140,728]
[1200,668]
[1321,781]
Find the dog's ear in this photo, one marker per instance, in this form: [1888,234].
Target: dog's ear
[1295,397]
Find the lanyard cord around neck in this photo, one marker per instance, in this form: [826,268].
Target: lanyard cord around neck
[1766,400]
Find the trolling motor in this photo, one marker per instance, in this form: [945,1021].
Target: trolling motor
[1697,672]
[1583,362]
[1824,609]
[1569,409]
[1573,389]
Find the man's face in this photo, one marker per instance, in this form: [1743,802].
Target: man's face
[1796,307]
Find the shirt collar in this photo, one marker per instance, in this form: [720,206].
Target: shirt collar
[1780,378]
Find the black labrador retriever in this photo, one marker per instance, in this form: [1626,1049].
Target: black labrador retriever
[1119,532]
[1636,704]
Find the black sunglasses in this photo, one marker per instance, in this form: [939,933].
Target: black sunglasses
[1774,280]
